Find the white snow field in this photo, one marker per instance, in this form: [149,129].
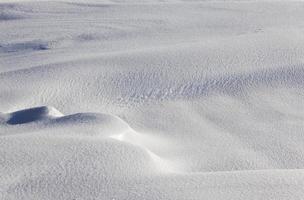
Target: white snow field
[151,100]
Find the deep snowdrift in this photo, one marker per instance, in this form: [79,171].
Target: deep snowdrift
[151,100]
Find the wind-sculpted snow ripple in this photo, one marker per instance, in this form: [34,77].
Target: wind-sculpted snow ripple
[151,99]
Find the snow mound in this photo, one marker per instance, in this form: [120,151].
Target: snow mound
[90,124]
[48,119]
[105,144]
[32,115]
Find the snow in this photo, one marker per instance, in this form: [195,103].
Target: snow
[150,99]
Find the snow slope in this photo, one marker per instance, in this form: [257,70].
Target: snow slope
[151,99]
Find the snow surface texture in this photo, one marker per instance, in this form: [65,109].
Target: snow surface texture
[148,99]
